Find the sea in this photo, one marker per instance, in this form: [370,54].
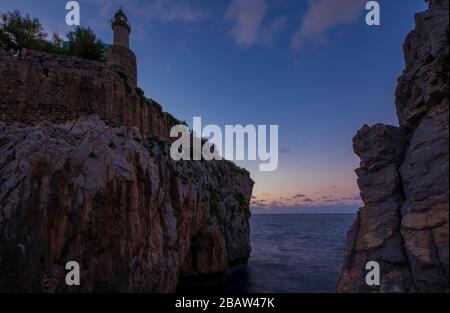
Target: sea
[293,253]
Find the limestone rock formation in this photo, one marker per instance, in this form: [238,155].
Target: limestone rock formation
[403,176]
[114,201]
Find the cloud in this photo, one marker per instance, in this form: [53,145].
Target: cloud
[154,10]
[144,14]
[269,32]
[258,203]
[247,17]
[169,10]
[297,196]
[352,197]
[330,209]
[323,15]
[308,200]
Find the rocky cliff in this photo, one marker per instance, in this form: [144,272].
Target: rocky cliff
[403,175]
[86,176]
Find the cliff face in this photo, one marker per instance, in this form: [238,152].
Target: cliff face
[86,176]
[403,175]
[115,202]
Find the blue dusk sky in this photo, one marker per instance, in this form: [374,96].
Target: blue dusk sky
[313,67]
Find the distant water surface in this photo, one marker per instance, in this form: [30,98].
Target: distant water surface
[292,253]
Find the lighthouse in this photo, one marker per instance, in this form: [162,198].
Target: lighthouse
[121,29]
[119,56]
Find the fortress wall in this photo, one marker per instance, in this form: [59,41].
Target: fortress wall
[37,86]
[124,60]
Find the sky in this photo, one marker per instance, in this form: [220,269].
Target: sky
[312,67]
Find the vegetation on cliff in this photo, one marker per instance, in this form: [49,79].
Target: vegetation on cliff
[83,43]
[18,32]
[171,120]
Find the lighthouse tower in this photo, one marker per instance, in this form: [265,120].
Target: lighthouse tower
[119,56]
[121,29]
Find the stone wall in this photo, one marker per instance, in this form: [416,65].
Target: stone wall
[123,59]
[37,86]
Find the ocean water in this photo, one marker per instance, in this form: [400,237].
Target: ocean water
[292,253]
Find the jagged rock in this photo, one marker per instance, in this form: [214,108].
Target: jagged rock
[423,87]
[404,174]
[375,236]
[114,201]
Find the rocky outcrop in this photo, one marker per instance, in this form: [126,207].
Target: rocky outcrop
[115,202]
[403,175]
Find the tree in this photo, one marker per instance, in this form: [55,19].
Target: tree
[17,32]
[56,45]
[57,41]
[83,43]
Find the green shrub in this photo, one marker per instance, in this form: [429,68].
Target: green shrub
[140,92]
[17,32]
[83,43]
[214,210]
[172,120]
[154,104]
[124,77]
